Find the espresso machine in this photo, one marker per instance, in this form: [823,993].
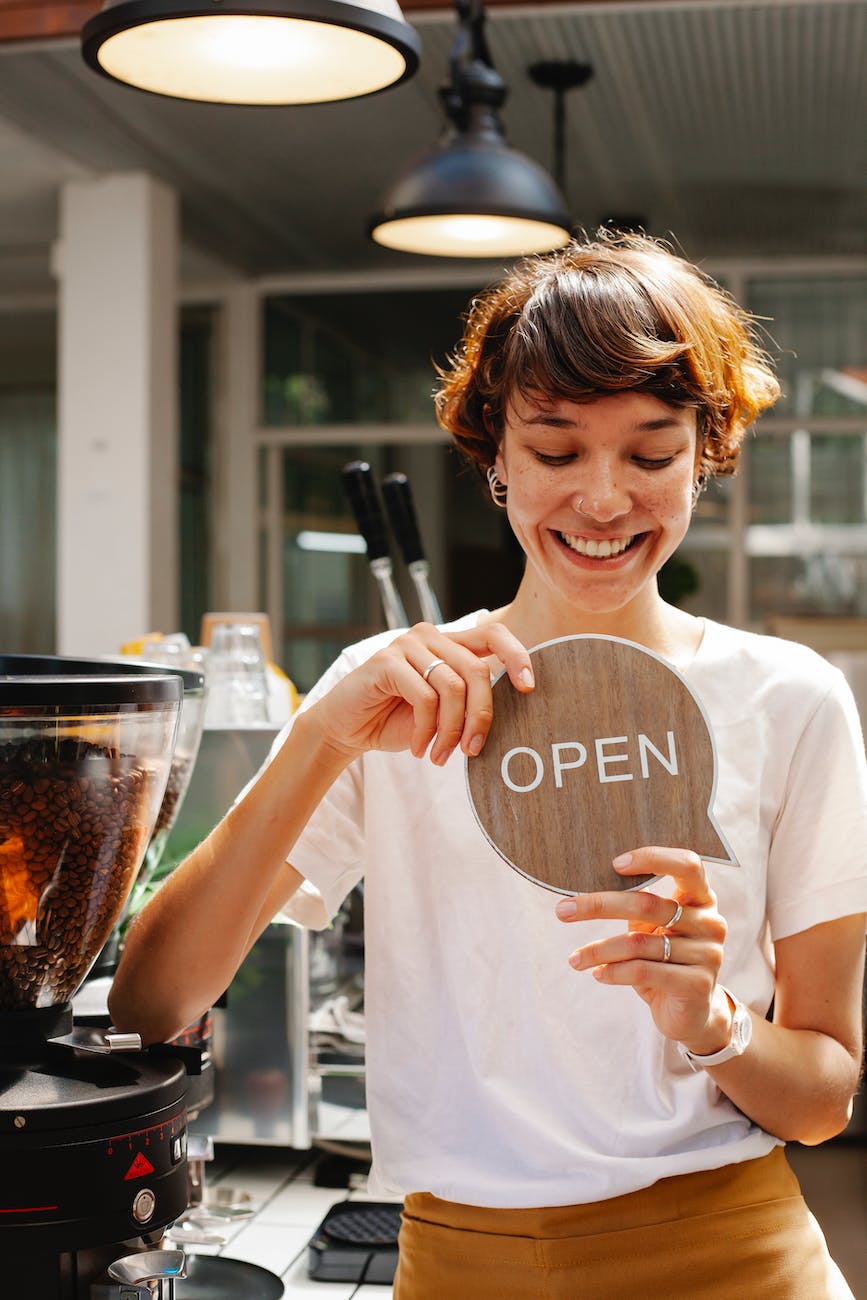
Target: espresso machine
[92,1128]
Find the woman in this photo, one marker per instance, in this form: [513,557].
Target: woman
[584,1098]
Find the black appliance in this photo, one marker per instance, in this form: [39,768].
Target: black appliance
[92,1129]
[356,1242]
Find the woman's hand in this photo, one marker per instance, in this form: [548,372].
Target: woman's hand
[425,688]
[672,951]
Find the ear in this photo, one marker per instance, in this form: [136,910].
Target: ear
[490,429]
[499,467]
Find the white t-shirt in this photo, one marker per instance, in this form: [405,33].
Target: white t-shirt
[496,1074]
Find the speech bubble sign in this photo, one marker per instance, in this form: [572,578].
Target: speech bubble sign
[612,751]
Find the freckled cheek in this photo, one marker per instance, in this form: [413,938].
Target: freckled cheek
[669,506]
[527,502]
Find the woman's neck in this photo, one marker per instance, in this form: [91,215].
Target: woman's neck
[651,622]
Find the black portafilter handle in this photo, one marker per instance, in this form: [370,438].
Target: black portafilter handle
[402,517]
[360,489]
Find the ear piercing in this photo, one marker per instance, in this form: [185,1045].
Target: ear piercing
[498,489]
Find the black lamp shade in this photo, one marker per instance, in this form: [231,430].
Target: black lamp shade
[253,51]
[472,196]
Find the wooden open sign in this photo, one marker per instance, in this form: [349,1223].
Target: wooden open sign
[610,752]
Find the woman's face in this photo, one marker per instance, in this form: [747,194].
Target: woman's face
[599,493]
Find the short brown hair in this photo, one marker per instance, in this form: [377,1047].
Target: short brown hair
[612,314]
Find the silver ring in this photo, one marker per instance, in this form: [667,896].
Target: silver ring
[434,663]
[666,948]
[580,506]
[678,913]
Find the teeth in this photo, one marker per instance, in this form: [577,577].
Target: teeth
[597,550]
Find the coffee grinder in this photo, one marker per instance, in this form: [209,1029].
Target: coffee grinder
[92,1131]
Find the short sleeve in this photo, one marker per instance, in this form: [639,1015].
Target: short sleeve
[329,851]
[817,868]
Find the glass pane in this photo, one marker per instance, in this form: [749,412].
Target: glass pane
[816,332]
[798,585]
[697,581]
[28,520]
[28,480]
[770,478]
[713,504]
[194,449]
[837,479]
[330,598]
[353,358]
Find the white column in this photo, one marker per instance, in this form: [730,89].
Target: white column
[116,261]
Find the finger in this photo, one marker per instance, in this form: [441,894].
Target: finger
[640,947]
[461,679]
[450,688]
[403,682]
[689,983]
[458,683]
[682,865]
[639,908]
[642,909]
[496,639]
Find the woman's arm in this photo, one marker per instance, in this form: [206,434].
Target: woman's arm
[798,1075]
[184,948]
[186,945]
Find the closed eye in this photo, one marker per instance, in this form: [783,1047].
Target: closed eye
[649,462]
[547,458]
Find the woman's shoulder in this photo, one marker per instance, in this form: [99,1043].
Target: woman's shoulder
[745,664]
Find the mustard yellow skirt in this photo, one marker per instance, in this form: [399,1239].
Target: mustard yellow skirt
[720,1234]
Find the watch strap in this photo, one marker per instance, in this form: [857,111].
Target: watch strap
[741,1032]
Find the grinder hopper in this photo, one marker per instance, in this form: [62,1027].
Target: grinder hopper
[84,762]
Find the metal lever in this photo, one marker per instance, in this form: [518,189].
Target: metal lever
[146,1276]
[404,524]
[361,493]
[104,1041]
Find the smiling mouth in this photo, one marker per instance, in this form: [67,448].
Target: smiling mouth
[601,549]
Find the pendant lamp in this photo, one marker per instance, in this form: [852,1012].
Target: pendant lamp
[253,51]
[471,195]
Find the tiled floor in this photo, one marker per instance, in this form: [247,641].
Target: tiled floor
[290,1207]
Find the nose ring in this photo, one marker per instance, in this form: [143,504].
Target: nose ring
[580,506]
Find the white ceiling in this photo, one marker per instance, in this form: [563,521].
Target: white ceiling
[736,125]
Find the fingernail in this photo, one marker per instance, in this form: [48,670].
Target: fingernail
[525,677]
[567,909]
[575,960]
[475,745]
[623,861]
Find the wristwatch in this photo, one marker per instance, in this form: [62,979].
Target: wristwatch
[742,1032]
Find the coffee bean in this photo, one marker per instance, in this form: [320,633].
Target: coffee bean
[64,874]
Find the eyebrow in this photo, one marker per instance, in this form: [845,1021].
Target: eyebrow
[644,426]
[652,426]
